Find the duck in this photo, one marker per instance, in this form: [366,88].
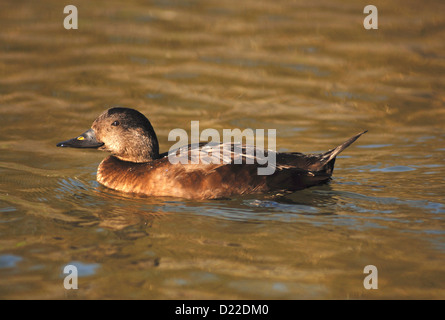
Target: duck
[135,165]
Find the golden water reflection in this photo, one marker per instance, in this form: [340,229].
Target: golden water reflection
[309,70]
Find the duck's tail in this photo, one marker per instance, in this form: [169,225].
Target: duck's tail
[327,159]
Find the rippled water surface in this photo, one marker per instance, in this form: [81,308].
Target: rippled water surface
[308,69]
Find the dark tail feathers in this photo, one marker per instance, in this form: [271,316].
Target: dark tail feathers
[328,158]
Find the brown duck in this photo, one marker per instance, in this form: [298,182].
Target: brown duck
[135,165]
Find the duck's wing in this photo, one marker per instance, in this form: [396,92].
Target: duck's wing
[297,160]
[220,154]
[323,162]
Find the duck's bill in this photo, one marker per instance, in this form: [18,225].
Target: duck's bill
[85,140]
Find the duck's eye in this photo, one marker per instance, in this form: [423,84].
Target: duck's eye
[115,123]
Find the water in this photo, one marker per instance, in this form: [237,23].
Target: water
[311,71]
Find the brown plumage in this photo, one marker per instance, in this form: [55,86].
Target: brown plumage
[135,165]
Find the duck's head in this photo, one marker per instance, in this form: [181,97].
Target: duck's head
[124,132]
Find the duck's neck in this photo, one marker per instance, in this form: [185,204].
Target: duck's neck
[144,149]
[116,174]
